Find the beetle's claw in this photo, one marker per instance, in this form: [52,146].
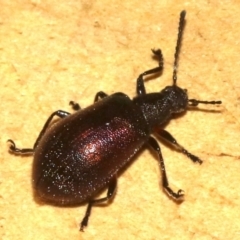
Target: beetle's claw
[12,147]
[180,193]
[83,224]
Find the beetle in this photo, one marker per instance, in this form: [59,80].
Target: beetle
[82,153]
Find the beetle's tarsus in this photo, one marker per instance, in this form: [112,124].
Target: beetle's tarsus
[83,224]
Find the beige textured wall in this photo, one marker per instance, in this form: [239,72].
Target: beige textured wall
[55,51]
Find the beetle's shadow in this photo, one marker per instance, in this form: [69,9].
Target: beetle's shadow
[197,109]
[100,194]
[41,201]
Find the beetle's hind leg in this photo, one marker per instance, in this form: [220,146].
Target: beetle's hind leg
[111,190]
[140,84]
[175,195]
[169,138]
[14,149]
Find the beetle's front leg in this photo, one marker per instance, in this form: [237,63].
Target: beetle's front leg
[14,149]
[154,144]
[140,84]
[111,190]
[169,138]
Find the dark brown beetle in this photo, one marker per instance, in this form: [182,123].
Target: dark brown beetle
[82,153]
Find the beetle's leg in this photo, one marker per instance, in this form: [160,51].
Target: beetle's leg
[154,144]
[169,138]
[140,84]
[58,113]
[75,106]
[111,190]
[14,149]
[100,95]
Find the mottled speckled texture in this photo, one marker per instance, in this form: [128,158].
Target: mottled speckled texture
[52,52]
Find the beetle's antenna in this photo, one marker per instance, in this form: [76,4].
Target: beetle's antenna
[179,39]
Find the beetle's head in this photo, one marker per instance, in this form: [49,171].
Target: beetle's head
[177,98]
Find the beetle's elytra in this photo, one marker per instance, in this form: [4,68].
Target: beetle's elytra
[82,153]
